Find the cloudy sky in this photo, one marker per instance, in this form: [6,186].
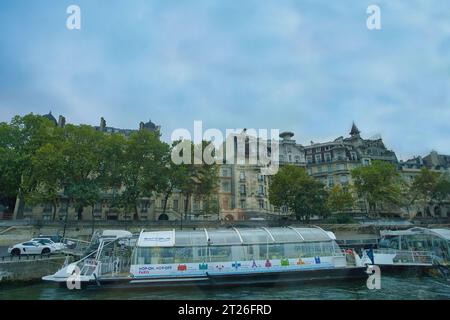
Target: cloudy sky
[311,66]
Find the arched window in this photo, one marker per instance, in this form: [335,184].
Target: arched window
[163,217]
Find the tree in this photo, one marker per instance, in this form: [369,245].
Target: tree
[294,188]
[113,157]
[378,184]
[82,166]
[144,167]
[19,142]
[46,182]
[340,199]
[196,177]
[429,188]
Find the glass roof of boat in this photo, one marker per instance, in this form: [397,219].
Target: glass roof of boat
[234,236]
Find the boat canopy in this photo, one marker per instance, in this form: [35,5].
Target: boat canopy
[441,233]
[233,236]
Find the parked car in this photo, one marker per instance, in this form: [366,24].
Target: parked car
[55,238]
[30,247]
[58,246]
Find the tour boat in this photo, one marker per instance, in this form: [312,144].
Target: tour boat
[415,248]
[213,257]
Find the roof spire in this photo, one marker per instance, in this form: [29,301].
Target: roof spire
[355,131]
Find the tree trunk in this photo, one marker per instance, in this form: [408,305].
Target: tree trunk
[54,210]
[93,220]
[186,205]
[136,214]
[166,198]
[80,213]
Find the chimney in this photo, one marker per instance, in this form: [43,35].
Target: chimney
[102,124]
[61,121]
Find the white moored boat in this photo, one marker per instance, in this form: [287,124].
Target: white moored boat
[416,247]
[214,257]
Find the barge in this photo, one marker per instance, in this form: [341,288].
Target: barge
[213,258]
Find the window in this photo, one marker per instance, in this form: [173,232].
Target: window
[309,159]
[242,188]
[220,253]
[344,179]
[242,175]
[319,169]
[353,155]
[318,158]
[243,204]
[196,205]
[225,204]
[175,204]
[330,168]
[318,149]
[144,207]
[340,156]
[226,187]
[290,158]
[297,159]
[330,181]
[276,251]
[261,190]
[327,157]
[225,172]
[261,204]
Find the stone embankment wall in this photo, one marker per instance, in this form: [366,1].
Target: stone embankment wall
[29,270]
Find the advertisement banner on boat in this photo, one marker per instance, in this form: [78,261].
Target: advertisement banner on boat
[157,239]
[268,265]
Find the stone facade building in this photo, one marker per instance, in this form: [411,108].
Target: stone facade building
[410,169]
[243,190]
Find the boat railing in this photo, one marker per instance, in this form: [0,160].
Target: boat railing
[408,256]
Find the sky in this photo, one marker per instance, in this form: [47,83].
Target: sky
[311,67]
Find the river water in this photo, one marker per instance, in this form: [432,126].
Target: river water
[392,288]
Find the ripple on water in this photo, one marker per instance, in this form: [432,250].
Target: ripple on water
[392,288]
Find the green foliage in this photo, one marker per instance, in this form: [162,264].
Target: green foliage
[293,188]
[340,199]
[20,140]
[144,164]
[196,178]
[378,184]
[430,187]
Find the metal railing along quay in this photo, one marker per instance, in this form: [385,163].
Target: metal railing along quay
[26,258]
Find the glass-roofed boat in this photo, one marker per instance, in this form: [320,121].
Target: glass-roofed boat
[419,248]
[214,257]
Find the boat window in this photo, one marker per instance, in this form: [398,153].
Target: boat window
[220,253]
[285,235]
[310,234]
[191,238]
[263,251]
[223,237]
[183,255]
[238,253]
[276,251]
[255,236]
[200,254]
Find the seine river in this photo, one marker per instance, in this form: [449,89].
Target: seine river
[392,288]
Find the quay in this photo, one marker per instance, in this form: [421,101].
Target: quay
[357,236]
